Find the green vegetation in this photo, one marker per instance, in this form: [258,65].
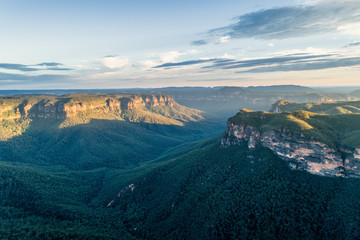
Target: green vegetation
[11,128]
[39,204]
[208,193]
[332,129]
[99,143]
[235,193]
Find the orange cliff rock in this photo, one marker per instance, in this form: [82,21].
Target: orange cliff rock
[61,107]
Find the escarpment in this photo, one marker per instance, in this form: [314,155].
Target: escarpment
[69,106]
[307,141]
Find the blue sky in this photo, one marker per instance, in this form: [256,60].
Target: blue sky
[142,43]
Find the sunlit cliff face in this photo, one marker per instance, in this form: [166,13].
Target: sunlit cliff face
[17,114]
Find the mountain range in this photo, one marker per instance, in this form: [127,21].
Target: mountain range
[142,166]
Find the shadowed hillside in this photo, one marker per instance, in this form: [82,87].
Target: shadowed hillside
[211,192]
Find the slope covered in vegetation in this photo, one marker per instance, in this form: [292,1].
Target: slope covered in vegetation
[209,193]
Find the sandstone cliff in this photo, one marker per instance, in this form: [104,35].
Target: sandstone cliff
[69,106]
[294,145]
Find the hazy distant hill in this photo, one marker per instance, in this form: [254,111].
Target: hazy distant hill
[280,88]
[227,100]
[328,108]
[355,93]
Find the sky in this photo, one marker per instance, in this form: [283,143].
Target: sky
[158,43]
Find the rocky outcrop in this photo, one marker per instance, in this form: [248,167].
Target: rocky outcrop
[148,101]
[63,107]
[159,100]
[299,151]
[58,110]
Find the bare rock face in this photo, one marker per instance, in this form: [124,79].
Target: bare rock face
[300,152]
[159,100]
[148,101]
[60,108]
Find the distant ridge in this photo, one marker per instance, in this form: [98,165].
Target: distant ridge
[232,90]
[336,107]
[280,88]
[355,93]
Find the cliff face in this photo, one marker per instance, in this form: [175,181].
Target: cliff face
[63,107]
[301,152]
[148,101]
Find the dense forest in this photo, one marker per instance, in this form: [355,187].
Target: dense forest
[209,193]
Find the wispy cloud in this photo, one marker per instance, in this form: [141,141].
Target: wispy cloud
[286,22]
[266,61]
[199,42]
[311,65]
[353,44]
[19,67]
[185,63]
[226,63]
[113,62]
[171,56]
[298,61]
[34,67]
[58,68]
[8,77]
[49,64]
